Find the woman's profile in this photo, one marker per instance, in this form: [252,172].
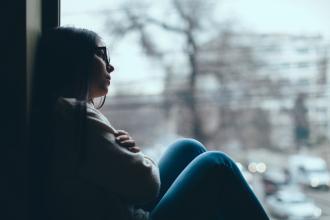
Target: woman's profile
[90,170]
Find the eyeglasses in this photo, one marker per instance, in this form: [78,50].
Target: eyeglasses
[103,53]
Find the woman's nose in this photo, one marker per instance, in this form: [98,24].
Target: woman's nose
[110,68]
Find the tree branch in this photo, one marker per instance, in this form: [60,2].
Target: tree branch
[164,25]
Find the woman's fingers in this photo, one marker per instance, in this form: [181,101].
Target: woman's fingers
[124,140]
[123,137]
[134,149]
[128,143]
[121,132]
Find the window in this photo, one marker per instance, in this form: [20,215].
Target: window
[151,96]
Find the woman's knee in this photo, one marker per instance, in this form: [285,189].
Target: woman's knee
[188,146]
[217,158]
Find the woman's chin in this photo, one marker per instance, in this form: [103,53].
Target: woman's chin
[106,91]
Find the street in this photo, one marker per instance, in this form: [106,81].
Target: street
[321,197]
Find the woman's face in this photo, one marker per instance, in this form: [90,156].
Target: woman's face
[101,69]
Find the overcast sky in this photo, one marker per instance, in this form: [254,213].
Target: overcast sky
[291,16]
[266,16]
[263,15]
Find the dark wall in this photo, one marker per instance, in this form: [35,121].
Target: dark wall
[14,150]
[13,111]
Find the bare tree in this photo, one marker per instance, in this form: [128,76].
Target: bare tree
[192,17]
[199,36]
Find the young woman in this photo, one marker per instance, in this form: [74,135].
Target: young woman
[83,168]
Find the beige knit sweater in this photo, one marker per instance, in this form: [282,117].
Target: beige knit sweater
[97,178]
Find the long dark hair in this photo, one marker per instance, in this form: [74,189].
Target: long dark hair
[63,61]
[62,69]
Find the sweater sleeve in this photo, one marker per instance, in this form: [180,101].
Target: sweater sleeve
[132,176]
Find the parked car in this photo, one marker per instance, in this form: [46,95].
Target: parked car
[309,171]
[273,180]
[292,204]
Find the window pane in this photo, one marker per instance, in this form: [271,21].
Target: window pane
[250,78]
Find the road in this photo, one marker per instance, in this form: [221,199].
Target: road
[320,197]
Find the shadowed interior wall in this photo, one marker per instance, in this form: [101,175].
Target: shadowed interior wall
[23,21]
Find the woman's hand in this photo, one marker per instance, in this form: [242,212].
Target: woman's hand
[124,140]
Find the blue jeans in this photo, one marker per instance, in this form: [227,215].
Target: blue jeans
[203,185]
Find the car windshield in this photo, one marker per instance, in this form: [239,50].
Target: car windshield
[291,199]
[296,201]
[317,171]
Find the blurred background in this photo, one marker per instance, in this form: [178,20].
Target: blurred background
[250,78]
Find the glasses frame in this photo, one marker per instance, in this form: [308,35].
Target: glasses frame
[104,54]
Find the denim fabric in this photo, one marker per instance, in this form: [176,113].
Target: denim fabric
[203,185]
